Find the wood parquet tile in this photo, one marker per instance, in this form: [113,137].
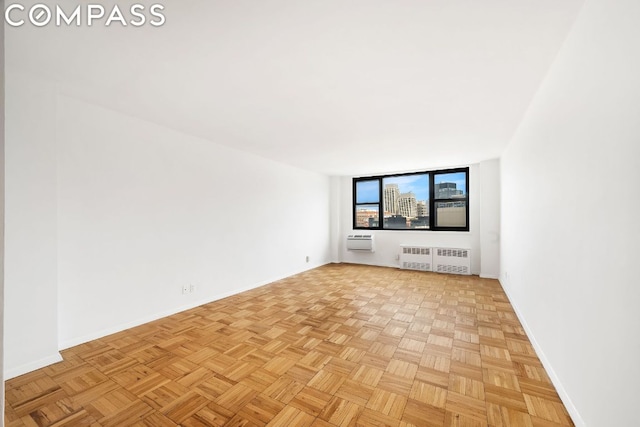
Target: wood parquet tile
[337,346]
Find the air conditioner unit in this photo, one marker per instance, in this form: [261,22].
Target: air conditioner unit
[360,242]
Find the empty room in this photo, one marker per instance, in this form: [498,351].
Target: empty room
[321,213]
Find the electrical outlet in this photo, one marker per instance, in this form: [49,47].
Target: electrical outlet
[192,288]
[307,258]
[185,289]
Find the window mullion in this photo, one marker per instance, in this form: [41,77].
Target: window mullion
[381,205]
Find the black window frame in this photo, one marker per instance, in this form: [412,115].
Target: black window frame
[432,200]
[367,203]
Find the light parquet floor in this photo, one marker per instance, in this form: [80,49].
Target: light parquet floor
[340,345]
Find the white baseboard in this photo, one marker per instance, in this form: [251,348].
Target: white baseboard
[32,366]
[564,396]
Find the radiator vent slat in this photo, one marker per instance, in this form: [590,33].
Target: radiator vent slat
[412,265]
[454,269]
[416,250]
[458,253]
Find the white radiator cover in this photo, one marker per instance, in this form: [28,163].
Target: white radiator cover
[452,260]
[441,260]
[414,257]
[361,242]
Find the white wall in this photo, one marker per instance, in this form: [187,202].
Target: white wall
[490,218]
[388,242]
[110,215]
[336,214]
[570,214]
[31,315]
[143,210]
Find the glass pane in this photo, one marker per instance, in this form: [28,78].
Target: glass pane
[451,214]
[406,201]
[367,216]
[450,185]
[368,191]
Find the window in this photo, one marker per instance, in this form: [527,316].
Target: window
[367,203]
[450,200]
[405,199]
[435,200]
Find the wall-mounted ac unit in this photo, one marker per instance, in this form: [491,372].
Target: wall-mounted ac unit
[360,242]
[414,257]
[450,260]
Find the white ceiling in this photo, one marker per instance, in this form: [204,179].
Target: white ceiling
[340,87]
